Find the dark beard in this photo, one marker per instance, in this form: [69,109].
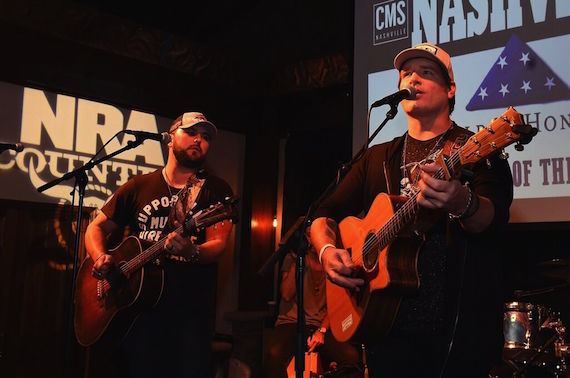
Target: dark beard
[186,161]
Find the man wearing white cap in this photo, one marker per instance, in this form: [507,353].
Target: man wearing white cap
[451,325]
[173,338]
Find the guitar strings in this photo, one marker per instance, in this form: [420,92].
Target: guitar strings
[400,218]
[387,232]
[141,259]
[403,215]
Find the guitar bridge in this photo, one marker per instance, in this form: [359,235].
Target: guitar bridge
[100,289]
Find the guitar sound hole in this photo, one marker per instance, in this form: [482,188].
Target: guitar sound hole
[370,252]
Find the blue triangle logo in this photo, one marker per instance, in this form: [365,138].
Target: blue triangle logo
[518,77]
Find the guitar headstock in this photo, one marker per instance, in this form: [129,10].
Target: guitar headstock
[503,131]
[224,210]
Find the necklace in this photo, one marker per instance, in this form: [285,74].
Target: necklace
[184,200]
[408,185]
[173,197]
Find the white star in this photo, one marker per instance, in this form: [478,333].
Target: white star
[483,93]
[549,83]
[524,58]
[526,86]
[504,89]
[502,62]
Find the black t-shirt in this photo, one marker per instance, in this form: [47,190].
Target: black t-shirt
[425,311]
[143,203]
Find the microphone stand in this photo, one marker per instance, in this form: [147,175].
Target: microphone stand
[287,243]
[81,180]
[303,244]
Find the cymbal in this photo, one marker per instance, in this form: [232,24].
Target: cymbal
[555,268]
[555,263]
[521,294]
[554,297]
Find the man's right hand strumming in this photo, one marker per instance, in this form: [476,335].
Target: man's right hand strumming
[96,245]
[102,265]
[340,269]
[337,263]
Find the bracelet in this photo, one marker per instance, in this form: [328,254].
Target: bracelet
[469,203]
[474,206]
[322,250]
[98,258]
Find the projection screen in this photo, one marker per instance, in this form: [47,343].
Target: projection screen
[504,52]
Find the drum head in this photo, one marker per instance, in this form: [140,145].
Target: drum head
[529,334]
[523,323]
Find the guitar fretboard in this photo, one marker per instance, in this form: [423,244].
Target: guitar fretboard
[406,214]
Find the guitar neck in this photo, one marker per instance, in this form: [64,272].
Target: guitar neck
[200,220]
[406,214]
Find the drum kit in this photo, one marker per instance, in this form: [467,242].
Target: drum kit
[535,343]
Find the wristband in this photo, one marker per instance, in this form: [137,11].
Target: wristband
[323,248]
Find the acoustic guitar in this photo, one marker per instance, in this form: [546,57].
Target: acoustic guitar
[386,252]
[110,306]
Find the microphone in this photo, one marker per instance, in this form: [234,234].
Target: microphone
[18,147]
[163,138]
[395,98]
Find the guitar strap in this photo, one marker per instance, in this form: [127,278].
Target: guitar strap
[182,207]
[187,199]
[387,177]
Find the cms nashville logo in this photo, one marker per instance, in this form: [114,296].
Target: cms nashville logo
[390,21]
[447,21]
[61,133]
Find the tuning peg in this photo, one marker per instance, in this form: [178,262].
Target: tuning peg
[504,155]
[519,147]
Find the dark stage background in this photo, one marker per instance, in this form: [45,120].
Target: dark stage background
[270,72]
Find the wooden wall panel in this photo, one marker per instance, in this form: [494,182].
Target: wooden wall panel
[36,261]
